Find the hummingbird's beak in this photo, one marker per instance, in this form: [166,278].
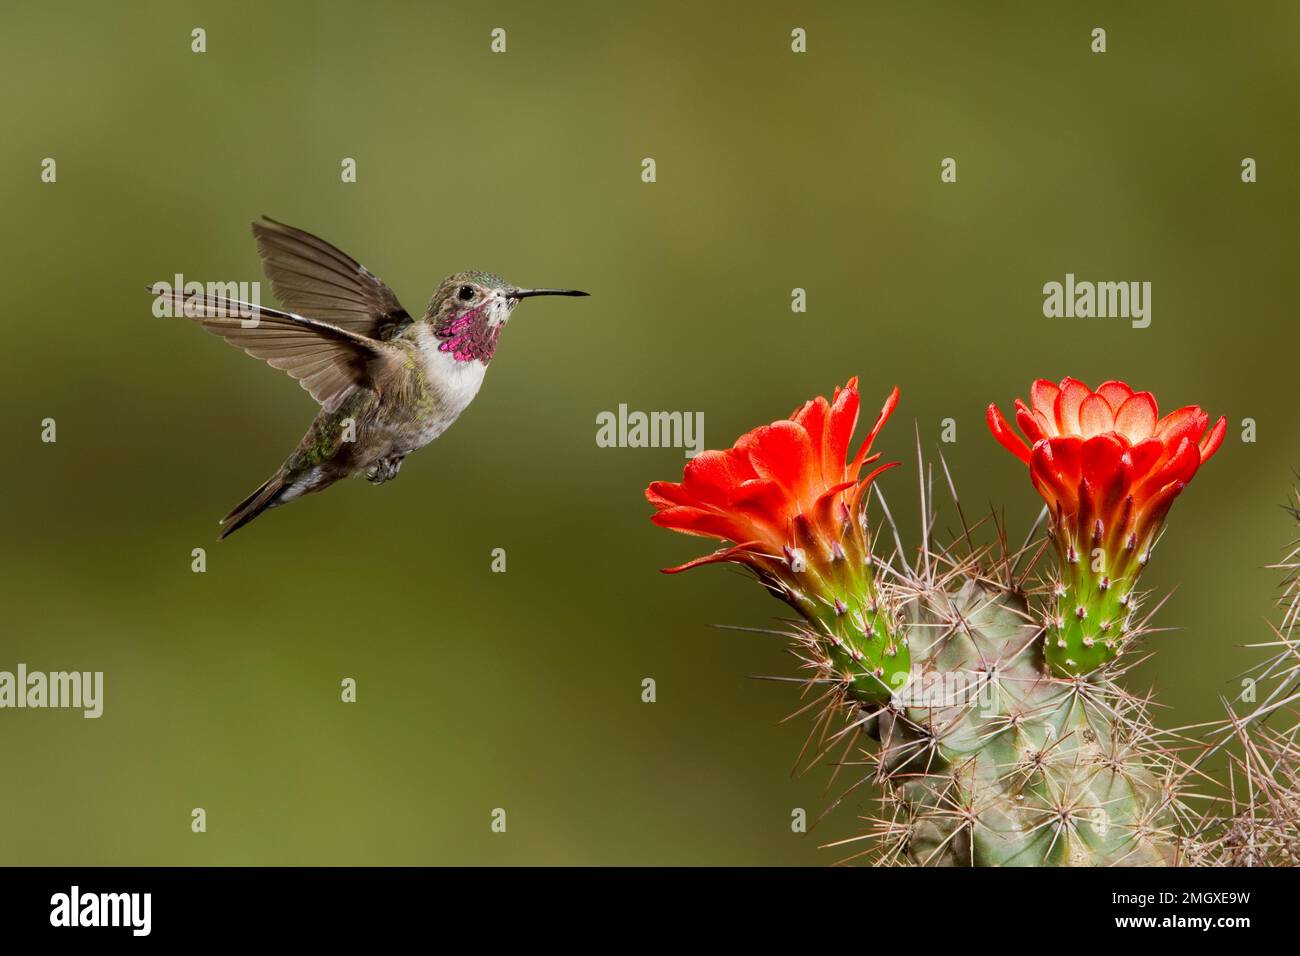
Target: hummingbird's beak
[526,293]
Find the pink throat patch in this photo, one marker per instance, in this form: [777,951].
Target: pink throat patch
[468,336]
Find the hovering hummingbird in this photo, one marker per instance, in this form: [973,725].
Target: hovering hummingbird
[386,384]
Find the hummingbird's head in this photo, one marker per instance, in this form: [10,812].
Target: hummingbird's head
[470,309]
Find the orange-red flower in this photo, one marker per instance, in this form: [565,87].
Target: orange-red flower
[1109,468]
[789,499]
[753,492]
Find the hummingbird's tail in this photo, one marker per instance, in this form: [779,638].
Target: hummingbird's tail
[264,497]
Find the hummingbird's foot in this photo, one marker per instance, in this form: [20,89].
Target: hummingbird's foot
[385,469]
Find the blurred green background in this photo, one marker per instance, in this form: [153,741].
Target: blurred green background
[522,690]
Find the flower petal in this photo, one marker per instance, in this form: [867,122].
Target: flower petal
[782,452]
[711,475]
[891,403]
[1213,440]
[766,506]
[1100,459]
[839,430]
[737,552]
[706,524]
[1178,467]
[1056,464]
[1068,403]
[1145,455]
[665,494]
[1116,393]
[1154,507]
[1136,418]
[1005,436]
[1031,423]
[1043,395]
[1095,416]
[1107,473]
[814,417]
[1187,422]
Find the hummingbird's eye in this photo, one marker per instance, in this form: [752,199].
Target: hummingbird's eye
[466,293]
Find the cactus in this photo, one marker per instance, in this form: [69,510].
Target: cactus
[987,760]
[992,697]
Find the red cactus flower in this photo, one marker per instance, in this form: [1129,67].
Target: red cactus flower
[1107,456]
[754,492]
[1109,469]
[790,500]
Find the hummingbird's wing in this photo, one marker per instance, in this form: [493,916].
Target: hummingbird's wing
[312,277]
[326,360]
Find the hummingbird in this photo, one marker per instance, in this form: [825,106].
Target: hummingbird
[387,384]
